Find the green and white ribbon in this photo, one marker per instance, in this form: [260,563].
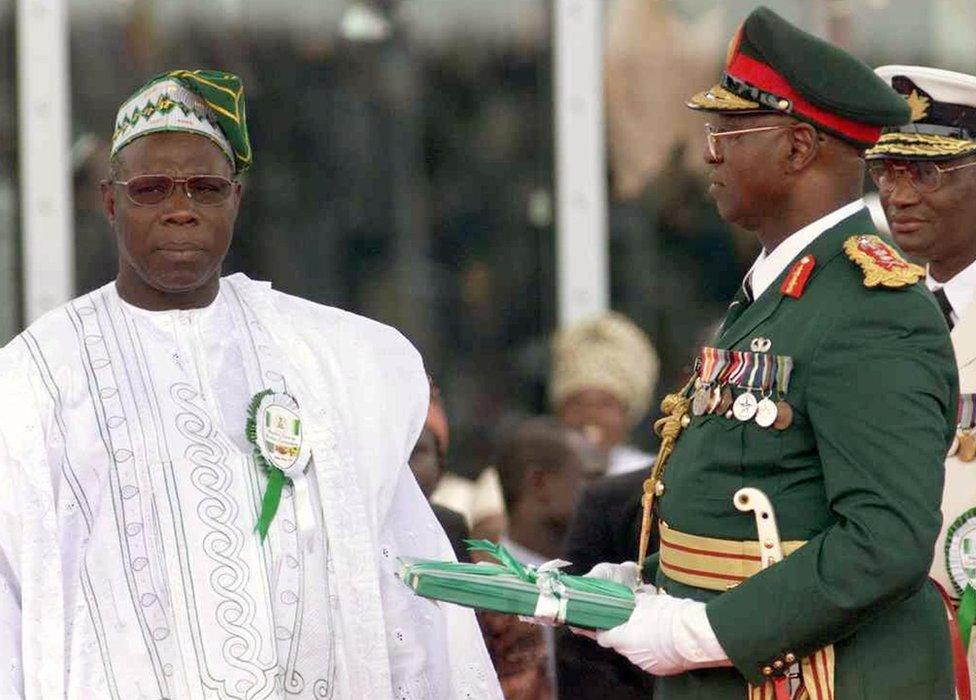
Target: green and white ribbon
[514,588]
[553,601]
[548,575]
[274,428]
[966,614]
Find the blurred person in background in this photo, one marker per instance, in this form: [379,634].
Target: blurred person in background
[925,172]
[478,500]
[605,528]
[603,375]
[428,462]
[604,372]
[849,451]
[542,466]
[207,481]
[674,264]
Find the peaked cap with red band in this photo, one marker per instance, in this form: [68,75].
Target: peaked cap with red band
[773,66]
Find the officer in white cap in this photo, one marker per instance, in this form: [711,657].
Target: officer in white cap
[926,177]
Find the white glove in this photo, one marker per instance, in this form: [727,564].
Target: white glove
[665,636]
[627,573]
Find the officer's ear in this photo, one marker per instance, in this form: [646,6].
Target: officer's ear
[804,144]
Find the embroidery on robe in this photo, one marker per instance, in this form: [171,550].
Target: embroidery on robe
[880,263]
[228,630]
[87,320]
[104,354]
[289,588]
[53,391]
[229,579]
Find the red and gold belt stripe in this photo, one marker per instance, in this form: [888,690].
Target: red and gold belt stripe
[711,563]
[717,565]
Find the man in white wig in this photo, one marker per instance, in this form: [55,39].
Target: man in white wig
[205,481]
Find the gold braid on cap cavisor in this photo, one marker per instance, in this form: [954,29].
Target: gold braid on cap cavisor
[911,145]
[719,98]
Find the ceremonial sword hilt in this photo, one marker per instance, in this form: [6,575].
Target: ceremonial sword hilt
[770,552]
[770,547]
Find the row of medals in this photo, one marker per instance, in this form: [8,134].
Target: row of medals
[963,445]
[717,399]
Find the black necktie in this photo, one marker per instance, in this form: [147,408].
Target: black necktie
[741,302]
[940,296]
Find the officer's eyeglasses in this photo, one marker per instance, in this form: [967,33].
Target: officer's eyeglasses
[149,190]
[922,175]
[712,135]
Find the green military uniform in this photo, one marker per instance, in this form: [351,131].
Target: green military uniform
[857,474]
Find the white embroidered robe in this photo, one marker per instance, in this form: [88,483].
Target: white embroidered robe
[129,565]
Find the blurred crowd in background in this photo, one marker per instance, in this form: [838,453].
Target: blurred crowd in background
[406,163]
[404,171]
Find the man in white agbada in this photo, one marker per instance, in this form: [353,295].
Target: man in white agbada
[130,561]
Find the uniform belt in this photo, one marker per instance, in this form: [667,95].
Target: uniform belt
[711,563]
[717,565]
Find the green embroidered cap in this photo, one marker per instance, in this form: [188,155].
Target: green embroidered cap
[205,102]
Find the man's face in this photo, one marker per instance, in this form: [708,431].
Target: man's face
[563,486]
[425,462]
[935,226]
[745,177]
[598,414]
[178,245]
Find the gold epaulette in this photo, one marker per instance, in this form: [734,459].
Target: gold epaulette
[881,263]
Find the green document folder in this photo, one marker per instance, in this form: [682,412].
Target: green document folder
[514,588]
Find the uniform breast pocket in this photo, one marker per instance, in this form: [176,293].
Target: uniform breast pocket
[762,450]
[718,472]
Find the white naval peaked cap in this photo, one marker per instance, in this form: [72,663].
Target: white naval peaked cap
[941,85]
[943,105]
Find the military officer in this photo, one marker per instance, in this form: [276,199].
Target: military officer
[828,390]
[925,176]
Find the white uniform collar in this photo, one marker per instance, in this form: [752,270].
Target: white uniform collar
[769,266]
[960,290]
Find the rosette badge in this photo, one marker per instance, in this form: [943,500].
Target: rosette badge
[274,429]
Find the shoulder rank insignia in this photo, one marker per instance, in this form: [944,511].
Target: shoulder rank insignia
[880,263]
[796,281]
